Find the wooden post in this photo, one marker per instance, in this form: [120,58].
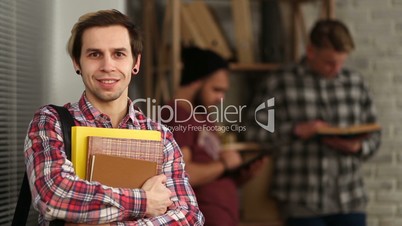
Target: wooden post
[328,9]
[162,87]
[147,56]
[176,48]
[295,9]
[243,31]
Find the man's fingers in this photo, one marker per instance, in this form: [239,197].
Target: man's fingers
[161,178]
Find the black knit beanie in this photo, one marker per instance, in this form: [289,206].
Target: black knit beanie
[199,63]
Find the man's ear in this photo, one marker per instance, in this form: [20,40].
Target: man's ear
[138,62]
[77,67]
[196,85]
[136,66]
[310,51]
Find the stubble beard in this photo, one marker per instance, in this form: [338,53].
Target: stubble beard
[106,97]
[198,101]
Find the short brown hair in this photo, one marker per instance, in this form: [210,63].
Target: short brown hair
[102,18]
[330,33]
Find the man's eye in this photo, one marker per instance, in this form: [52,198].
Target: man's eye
[94,54]
[120,54]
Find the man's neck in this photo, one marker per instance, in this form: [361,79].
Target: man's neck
[116,110]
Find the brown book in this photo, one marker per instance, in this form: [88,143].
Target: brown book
[351,131]
[120,172]
[79,143]
[123,158]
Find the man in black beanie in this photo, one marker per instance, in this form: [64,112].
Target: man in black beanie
[203,85]
[199,63]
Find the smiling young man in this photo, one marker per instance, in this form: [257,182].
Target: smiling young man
[105,48]
[318,181]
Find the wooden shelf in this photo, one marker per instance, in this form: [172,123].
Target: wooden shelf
[163,49]
[253,67]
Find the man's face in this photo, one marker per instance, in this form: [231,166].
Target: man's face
[326,62]
[106,63]
[214,88]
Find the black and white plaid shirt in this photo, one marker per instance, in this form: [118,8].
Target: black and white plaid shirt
[308,173]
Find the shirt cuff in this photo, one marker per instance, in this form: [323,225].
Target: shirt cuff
[140,204]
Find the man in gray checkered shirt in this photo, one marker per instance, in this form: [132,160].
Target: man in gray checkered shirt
[318,180]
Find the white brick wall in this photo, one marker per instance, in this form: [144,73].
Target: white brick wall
[377,28]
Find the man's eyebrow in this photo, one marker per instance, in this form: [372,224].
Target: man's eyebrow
[120,49]
[98,50]
[92,50]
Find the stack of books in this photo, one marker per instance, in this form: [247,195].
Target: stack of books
[120,158]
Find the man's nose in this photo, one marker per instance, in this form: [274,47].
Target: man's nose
[338,67]
[221,97]
[108,64]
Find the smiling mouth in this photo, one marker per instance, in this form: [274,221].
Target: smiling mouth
[108,81]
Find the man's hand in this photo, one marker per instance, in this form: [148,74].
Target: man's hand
[158,196]
[251,172]
[231,159]
[307,130]
[344,145]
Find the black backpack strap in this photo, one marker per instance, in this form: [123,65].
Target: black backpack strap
[24,199]
[67,121]
[23,205]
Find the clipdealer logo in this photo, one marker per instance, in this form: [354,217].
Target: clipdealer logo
[267,106]
[216,115]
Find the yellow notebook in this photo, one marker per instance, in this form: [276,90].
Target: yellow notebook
[79,142]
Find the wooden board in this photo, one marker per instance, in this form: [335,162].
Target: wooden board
[243,31]
[209,29]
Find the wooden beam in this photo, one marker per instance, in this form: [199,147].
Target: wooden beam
[147,56]
[162,92]
[243,31]
[328,9]
[176,48]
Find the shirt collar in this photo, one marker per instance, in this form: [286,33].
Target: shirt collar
[91,113]
[340,77]
[87,109]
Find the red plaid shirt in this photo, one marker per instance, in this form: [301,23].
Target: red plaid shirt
[57,192]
